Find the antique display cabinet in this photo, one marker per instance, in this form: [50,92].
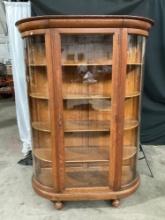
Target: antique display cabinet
[84,77]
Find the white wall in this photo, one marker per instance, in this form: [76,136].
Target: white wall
[4,48]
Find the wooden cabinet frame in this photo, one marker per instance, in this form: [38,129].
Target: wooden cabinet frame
[119,28]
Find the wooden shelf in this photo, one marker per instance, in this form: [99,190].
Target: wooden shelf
[94,154]
[41,126]
[79,97]
[129,152]
[37,65]
[95,126]
[43,154]
[72,97]
[138,64]
[87,64]
[130,124]
[38,95]
[75,154]
[83,154]
[96,64]
[134,94]
[86,126]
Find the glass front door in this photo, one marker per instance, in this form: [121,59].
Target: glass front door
[86,91]
[39,101]
[135,60]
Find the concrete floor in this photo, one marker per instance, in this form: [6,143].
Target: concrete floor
[19,202]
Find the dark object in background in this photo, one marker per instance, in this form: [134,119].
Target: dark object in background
[6,82]
[2,69]
[19,0]
[153,101]
[6,86]
[28,160]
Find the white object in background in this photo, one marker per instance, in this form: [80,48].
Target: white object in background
[14,12]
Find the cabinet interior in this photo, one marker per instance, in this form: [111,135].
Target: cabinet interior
[87,102]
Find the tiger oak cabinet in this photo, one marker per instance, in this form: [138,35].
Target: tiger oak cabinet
[84,77]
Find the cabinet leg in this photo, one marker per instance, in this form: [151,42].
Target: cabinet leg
[115,203]
[58,205]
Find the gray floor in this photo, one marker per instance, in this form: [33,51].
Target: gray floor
[19,202]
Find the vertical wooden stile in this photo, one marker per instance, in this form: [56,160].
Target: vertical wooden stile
[52,106]
[118,96]
[58,107]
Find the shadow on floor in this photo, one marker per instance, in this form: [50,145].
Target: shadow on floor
[7,102]
[8,123]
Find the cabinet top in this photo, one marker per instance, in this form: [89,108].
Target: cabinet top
[84,21]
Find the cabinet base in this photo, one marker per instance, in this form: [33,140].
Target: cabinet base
[58,205]
[72,195]
[115,203]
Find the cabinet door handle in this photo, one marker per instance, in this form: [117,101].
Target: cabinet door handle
[27,79]
[59,121]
